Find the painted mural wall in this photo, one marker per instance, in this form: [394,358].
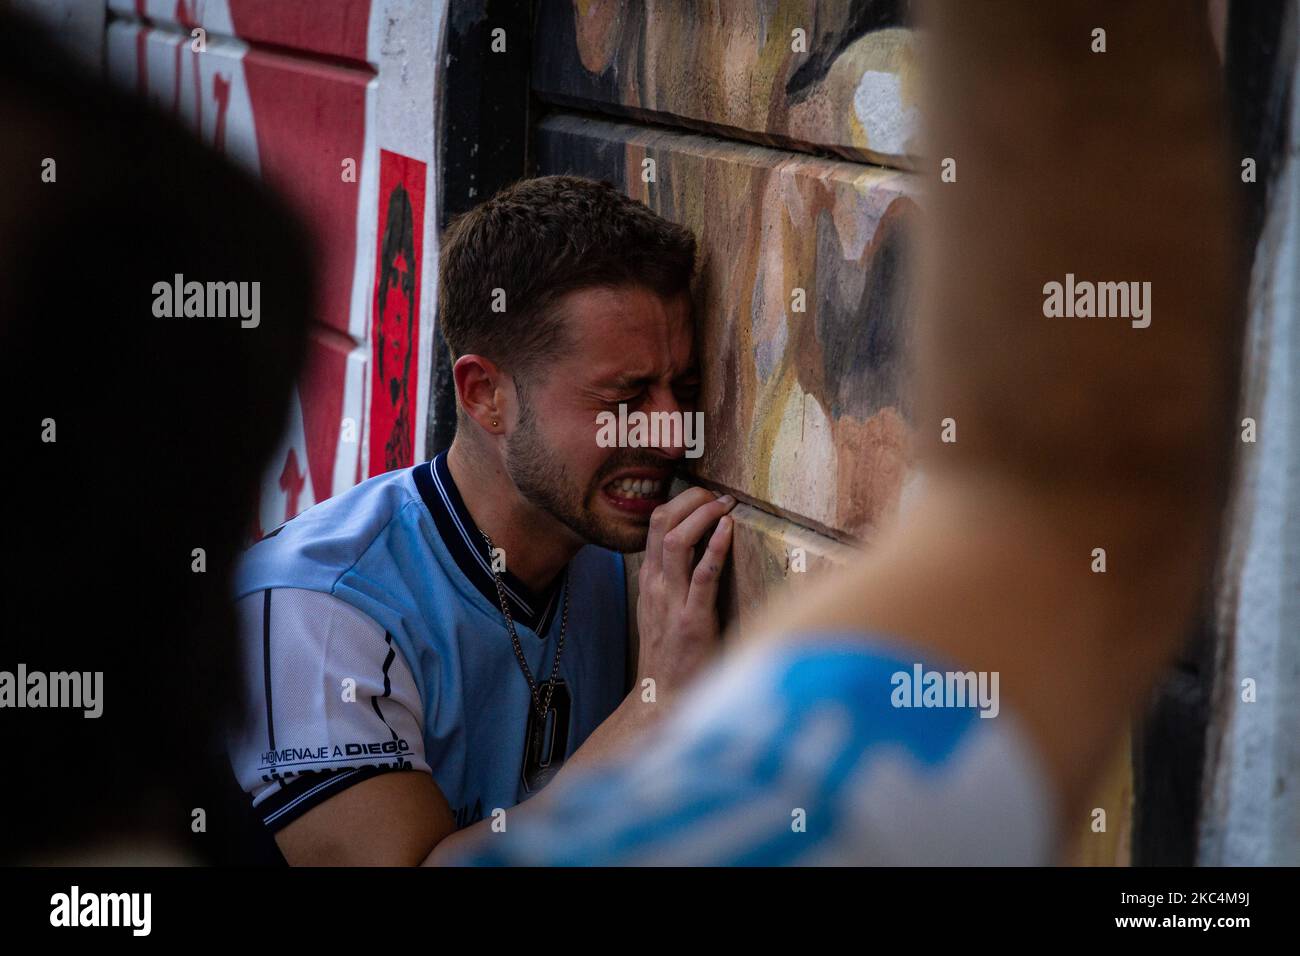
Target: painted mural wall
[802,257]
[332,102]
[784,134]
[838,76]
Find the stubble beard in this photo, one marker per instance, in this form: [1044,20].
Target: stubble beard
[544,481]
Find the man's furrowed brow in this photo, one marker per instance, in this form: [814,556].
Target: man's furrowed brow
[623,380]
[640,381]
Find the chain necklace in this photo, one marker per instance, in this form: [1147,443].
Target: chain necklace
[542,707]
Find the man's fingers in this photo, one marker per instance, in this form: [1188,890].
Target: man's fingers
[667,517]
[679,543]
[703,596]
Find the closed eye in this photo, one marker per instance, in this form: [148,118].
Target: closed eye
[631,399]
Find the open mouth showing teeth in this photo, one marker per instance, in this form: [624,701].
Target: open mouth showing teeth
[636,488]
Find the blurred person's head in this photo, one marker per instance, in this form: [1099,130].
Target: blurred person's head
[121,532]
[560,298]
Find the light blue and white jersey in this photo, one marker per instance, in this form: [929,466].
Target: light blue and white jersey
[798,753]
[373,640]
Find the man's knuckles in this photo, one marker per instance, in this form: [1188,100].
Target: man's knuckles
[675,543]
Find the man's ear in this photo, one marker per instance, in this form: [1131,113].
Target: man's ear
[481,391]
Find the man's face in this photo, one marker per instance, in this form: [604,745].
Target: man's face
[625,346]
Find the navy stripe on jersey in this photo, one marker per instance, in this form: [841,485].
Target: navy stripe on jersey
[309,789]
[388,684]
[266,666]
[465,542]
[266,674]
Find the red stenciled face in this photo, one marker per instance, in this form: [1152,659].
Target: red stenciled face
[394,345]
[391,397]
[625,346]
[395,331]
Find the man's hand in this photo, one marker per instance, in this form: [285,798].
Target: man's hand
[677,613]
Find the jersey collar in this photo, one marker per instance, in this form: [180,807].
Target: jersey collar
[462,537]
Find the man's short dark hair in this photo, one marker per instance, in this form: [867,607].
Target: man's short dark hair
[537,240]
